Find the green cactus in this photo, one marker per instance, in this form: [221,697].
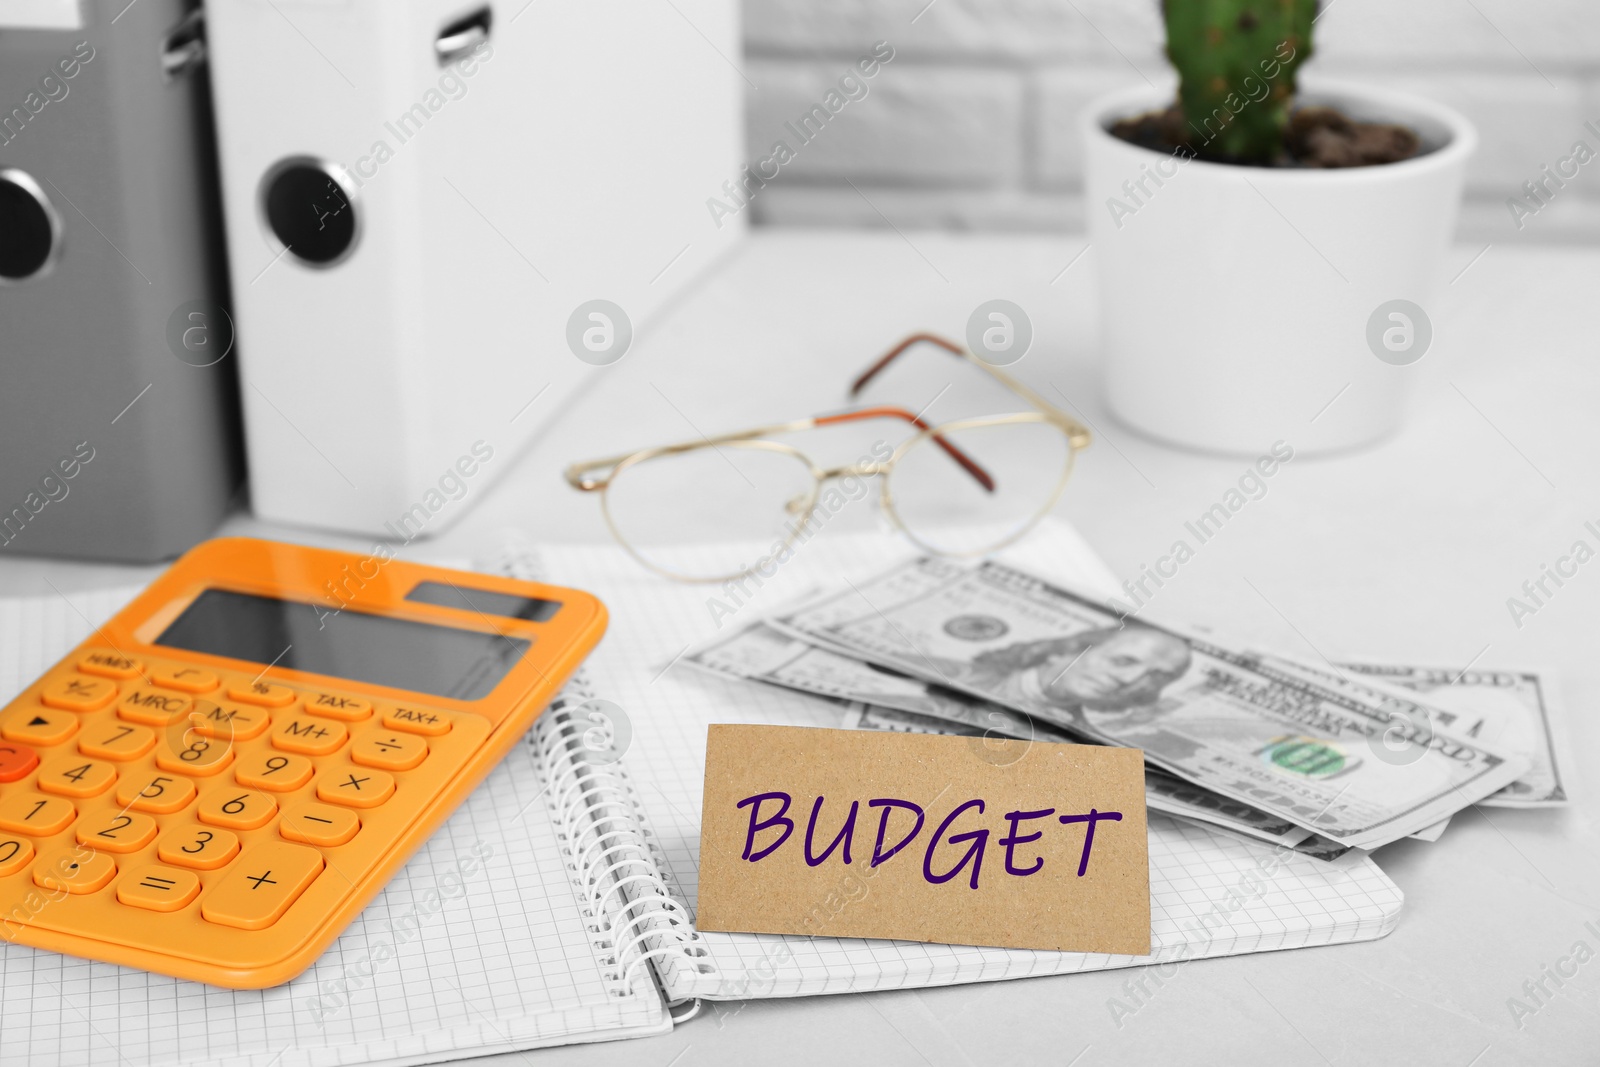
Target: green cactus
[1236,63]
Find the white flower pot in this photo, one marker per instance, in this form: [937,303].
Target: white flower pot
[1235,301]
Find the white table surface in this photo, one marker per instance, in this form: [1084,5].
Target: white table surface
[1406,551]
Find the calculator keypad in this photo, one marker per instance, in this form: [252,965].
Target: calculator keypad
[152,801]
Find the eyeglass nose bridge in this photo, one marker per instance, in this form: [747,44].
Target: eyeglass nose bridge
[803,502]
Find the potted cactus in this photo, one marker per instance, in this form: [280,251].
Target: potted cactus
[1266,251]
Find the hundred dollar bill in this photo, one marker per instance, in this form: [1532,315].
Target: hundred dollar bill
[1277,740]
[1163,792]
[1511,709]
[759,652]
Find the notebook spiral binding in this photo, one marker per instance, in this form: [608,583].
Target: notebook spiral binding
[616,866]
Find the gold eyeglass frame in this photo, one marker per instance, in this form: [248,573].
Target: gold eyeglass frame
[596,475]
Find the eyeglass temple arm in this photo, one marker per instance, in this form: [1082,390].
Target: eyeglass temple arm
[968,464]
[1078,432]
[889,357]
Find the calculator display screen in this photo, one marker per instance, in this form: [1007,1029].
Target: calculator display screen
[399,653]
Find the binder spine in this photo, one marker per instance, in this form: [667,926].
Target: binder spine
[614,861]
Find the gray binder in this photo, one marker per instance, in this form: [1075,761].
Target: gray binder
[118,396]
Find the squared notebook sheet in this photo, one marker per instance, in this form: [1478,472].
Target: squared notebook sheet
[439,966]
[1212,895]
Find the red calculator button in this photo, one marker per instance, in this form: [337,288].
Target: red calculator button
[16,762]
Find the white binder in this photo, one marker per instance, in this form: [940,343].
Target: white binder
[419,194]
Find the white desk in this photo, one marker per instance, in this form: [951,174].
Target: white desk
[1407,551]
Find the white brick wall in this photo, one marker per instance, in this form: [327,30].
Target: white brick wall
[972,125]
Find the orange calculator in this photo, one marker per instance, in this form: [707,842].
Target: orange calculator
[218,780]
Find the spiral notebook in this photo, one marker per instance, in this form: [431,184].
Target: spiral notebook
[580,925]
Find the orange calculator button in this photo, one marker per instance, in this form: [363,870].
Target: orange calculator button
[113,832]
[236,809]
[77,871]
[197,847]
[185,679]
[118,741]
[38,726]
[190,754]
[15,854]
[259,888]
[273,771]
[417,721]
[319,824]
[16,762]
[389,750]
[36,816]
[313,737]
[264,694]
[349,709]
[74,776]
[157,793]
[152,707]
[109,665]
[78,694]
[229,720]
[355,787]
[158,888]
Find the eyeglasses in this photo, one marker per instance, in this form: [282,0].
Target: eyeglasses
[962,488]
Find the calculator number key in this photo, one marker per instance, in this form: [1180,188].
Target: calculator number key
[74,776]
[257,890]
[355,787]
[389,750]
[15,854]
[159,794]
[77,871]
[36,816]
[198,847]
[157,888]
[236,809]
[274,771]
[117,741]
[319,824]
[187,752]
[78,694]
[117,831]
[311,737]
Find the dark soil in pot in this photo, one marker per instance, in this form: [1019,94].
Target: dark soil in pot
[1317,137]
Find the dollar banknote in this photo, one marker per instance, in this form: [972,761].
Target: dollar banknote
[1511,709]
[1163,792]
[893,700]
[1313,754]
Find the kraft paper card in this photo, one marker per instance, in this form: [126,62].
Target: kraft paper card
[960,840]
